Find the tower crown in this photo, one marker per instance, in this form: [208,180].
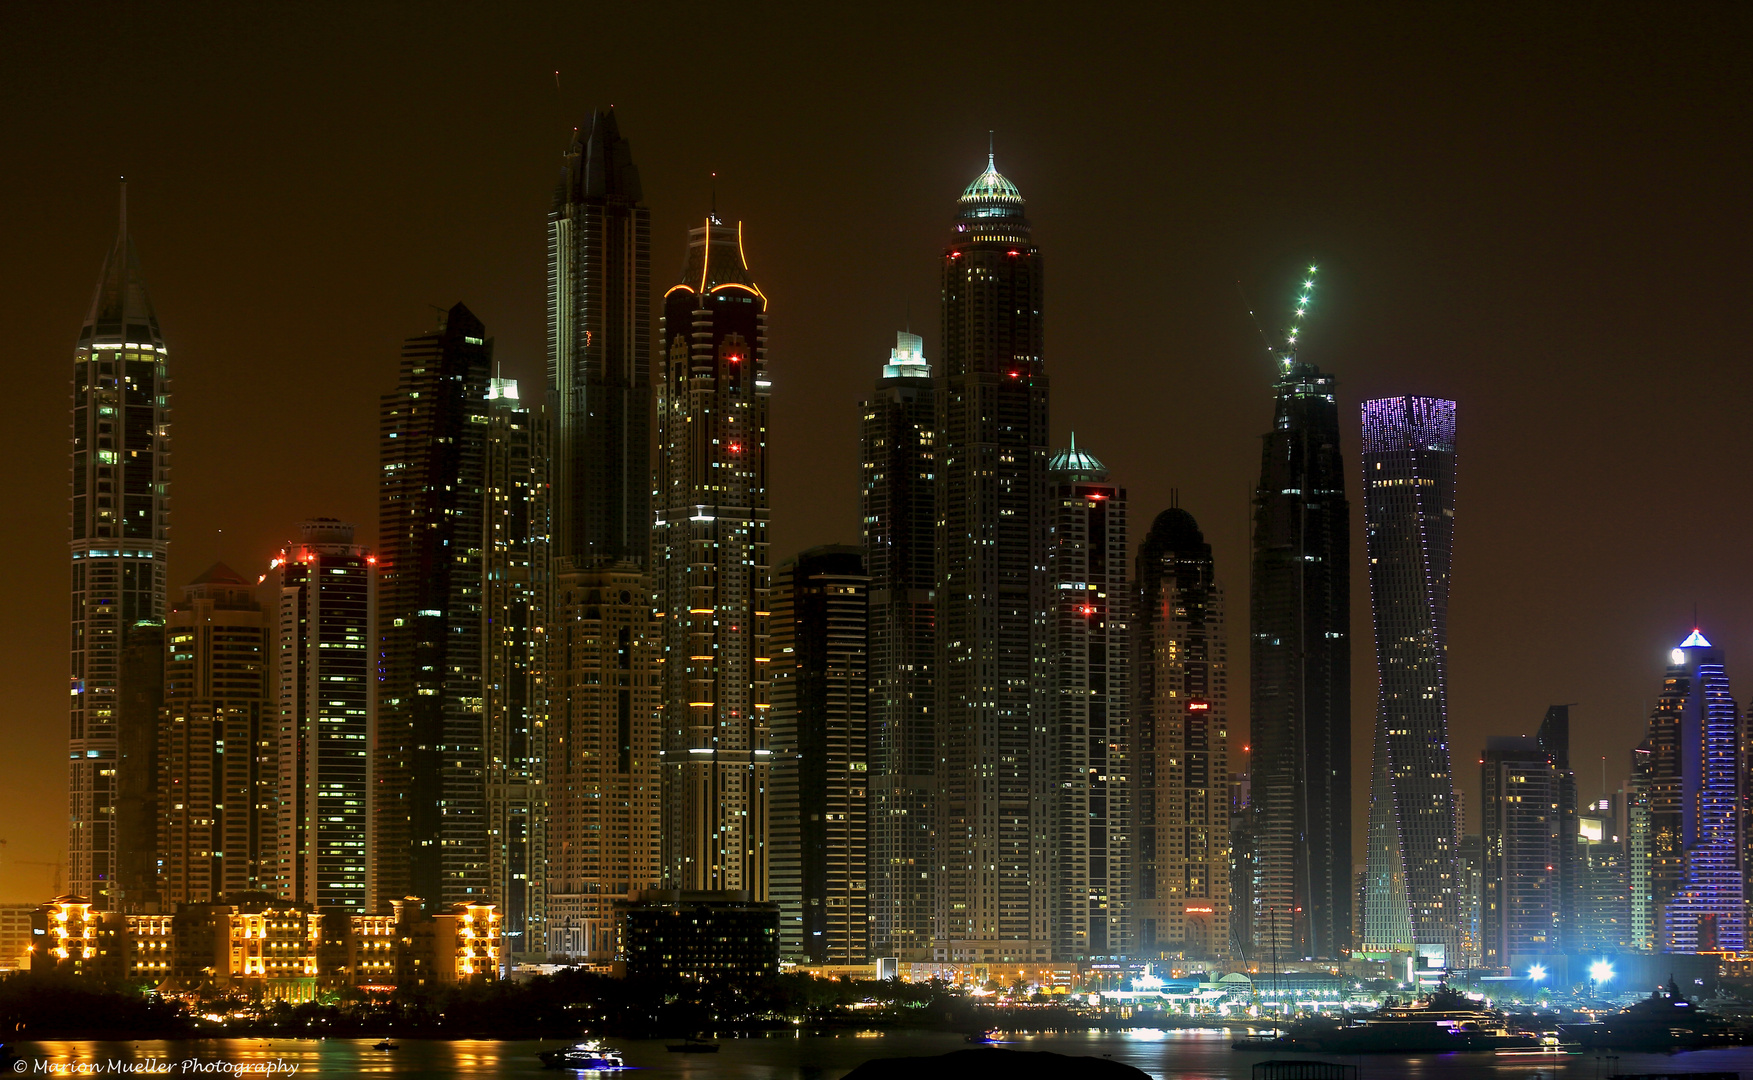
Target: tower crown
[991,186]
[991,208]
[1075,464]
[715,259]
[907,358]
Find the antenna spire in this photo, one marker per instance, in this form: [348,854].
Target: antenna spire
[714,196]
[991,157]
[124,217]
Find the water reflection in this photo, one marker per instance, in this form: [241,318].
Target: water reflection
[1179,1053]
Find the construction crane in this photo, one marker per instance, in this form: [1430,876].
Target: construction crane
[56,865]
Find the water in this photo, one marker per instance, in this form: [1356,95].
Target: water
[1193,1055]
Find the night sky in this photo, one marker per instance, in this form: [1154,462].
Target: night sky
[1541,212]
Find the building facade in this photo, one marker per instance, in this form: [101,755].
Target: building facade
[710,567]
[898,515]
[1521,892]
[605,735]
[431,776]
[1181,715]
[516,598]
[994,675]
[1300,671]
[217,744]
[1409,516]
[1603,903]
[327,659]
[819,807]
[120,517]
[1706,913]
[1090,818]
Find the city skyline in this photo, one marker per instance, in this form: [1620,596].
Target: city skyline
[172,231]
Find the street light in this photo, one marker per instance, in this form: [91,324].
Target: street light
[1601,971]
[1536,973]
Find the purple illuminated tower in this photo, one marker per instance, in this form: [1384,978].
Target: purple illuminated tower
[1409,519]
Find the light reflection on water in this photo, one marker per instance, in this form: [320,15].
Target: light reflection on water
[1189,1054]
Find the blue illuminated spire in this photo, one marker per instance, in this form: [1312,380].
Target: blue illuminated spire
[1695,641]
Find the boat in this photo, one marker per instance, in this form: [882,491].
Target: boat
[1445,1021]
[989,1037]
[693,1044]
[1666,1020]
[592,1056]
[385,1044]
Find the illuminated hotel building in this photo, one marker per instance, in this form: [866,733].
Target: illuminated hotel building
[709,563]
[327,674]
[120,531]
[516,597]
[1300,676]
[1409,518]
[430,787]
[898,500]
[994,609]
[217,744]
[818,807]
[605,720]
[1706,912]
[1181,720]
[1090,818]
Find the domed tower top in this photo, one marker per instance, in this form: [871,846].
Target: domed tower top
[1076,465]
[991,208]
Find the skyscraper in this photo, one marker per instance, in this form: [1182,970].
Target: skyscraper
[819,806]
[327,660]
[995,635]
[1409,515]
[1300,672]
[1603,922]
[1181,717]
[217,744]
[1554,738]
[120,534]
[897,504]
[1706,910]
[431,780]
[605,728]
[709,561]
[1090,819]
[516,598]
[606,666]
[1521,890]
[599,351]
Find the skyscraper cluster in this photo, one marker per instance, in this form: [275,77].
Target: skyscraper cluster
[995,730]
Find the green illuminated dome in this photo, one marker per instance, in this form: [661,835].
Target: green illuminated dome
[1075,464]
[991,186]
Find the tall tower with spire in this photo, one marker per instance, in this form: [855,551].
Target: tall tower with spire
[120,534]
[1300,671]
[599,351]
[994,610]
[710,564]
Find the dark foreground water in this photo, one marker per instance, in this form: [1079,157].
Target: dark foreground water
[1196,1055]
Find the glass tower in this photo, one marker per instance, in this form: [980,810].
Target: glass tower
[1300,677]
[897,509]
[995,633]
[709,560]
[431,730]
[120,534]
[1409,517]
[599,351]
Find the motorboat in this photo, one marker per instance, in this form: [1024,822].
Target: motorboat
[385,1044]
[591,1056]
[693,1044]
[1666,1020]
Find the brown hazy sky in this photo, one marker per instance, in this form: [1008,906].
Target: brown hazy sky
[1540,211]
